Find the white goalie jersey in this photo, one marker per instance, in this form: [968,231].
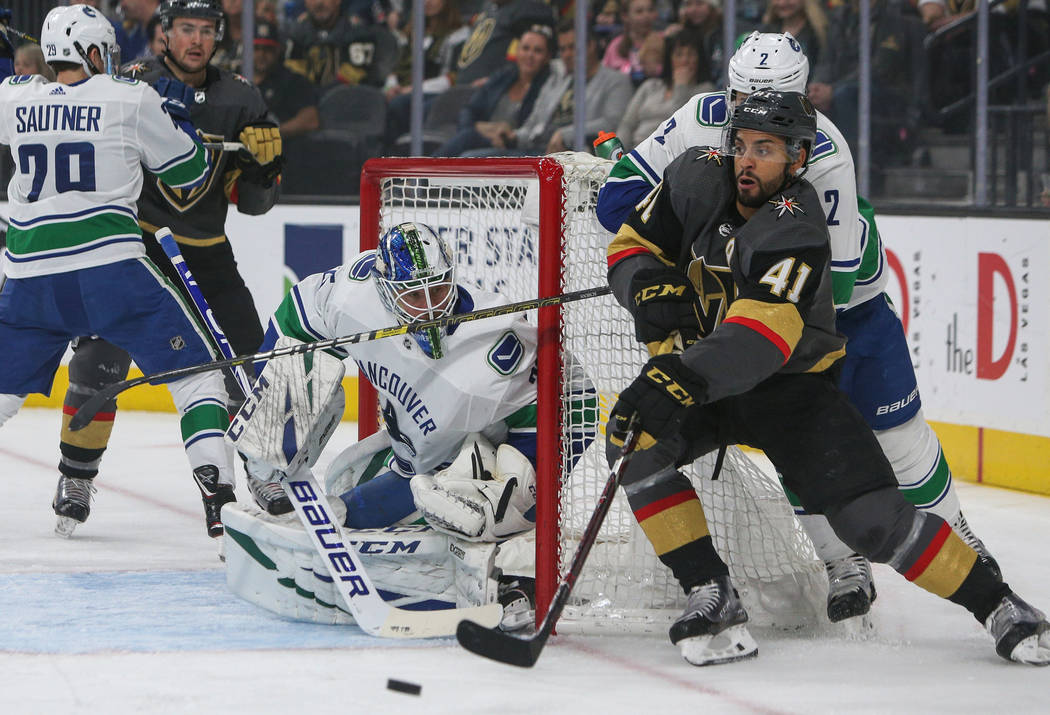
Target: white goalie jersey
[857,256]
[486,381]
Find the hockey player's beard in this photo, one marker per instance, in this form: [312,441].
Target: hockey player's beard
[761,191]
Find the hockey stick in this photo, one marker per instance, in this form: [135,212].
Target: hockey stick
[524,652]
[223,146]
[362,601]
[167,242]
[94,403]
[19,34]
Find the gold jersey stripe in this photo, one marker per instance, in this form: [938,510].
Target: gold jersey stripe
[627,238]
[201,242]
[780,318]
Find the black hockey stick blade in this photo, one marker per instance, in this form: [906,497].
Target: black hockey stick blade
[493,643]
[83,416]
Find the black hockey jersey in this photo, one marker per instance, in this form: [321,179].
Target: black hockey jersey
[345,54]
[493,36]
[222,107]
[764,284]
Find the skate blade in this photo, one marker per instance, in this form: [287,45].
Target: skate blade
[1032,650]
[65,525]
[734,643]
[857,628]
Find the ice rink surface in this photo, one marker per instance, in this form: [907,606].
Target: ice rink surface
[132,615]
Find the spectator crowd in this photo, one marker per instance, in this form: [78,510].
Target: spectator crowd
[498,75]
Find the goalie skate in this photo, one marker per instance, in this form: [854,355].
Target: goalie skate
[1021,632]
[72,503]
[851,590]
[517,595]
[269,496]
[713,629]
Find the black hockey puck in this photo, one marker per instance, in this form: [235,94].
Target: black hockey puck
[403,687]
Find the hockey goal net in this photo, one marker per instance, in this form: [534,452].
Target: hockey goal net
[526,227]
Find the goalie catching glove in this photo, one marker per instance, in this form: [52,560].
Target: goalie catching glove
[261,160]
[665,308]
[486,494]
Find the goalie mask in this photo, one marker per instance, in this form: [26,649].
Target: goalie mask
[416,279]
[767,60]
[70,32]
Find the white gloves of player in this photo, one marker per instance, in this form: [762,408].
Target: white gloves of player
[482,496]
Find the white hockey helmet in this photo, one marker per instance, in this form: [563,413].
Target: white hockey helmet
[416,278]
[768,60]
[70,32]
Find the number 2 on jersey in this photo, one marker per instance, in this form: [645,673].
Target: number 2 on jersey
[33,160]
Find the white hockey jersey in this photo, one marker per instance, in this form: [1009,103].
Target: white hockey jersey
[78,151]
[486,381]
[858,259]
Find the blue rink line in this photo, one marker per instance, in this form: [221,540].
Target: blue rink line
[156,611]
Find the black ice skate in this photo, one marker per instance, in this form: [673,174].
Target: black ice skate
[214,494]
[851,590]
[1021,632]
[517,595]
[269,496]
[961,528]
[72,503]
[712,628]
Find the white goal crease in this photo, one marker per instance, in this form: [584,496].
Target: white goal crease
[495,216]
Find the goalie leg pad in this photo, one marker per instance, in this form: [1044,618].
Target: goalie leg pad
[271,562]
[355,463]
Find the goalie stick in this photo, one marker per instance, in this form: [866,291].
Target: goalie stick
[374,615]
[93,404]
[167,242]
[524,652]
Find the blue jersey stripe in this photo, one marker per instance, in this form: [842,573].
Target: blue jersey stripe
[72,252]
[76,214]
[177,160]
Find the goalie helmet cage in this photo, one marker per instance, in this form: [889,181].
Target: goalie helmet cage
[526,227]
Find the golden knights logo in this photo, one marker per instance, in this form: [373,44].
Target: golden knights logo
[711,154]
[715,290]
[182,200]
[786,204]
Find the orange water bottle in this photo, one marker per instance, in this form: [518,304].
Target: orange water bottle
[608,146]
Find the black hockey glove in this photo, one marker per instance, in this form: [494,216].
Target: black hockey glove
[261,160]
[661,396]
[665,303]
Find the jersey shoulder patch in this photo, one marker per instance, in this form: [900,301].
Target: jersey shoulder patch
[823,147]
[361,268]
[506,354]
[124,80]
[20,79]
[712,110]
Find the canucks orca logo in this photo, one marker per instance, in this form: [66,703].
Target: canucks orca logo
[823,147]
[182,200]
[712,111]
[506,355]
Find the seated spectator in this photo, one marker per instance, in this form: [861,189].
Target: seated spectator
[898,88]
[444,31]
[327,47]
[492,44]
[804,19]
[506,99]
[135,41]
[289,97]
[29,59]
[638,17]
[703,17]
[550,127]
[651,57]
[229,53]
[685,74]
